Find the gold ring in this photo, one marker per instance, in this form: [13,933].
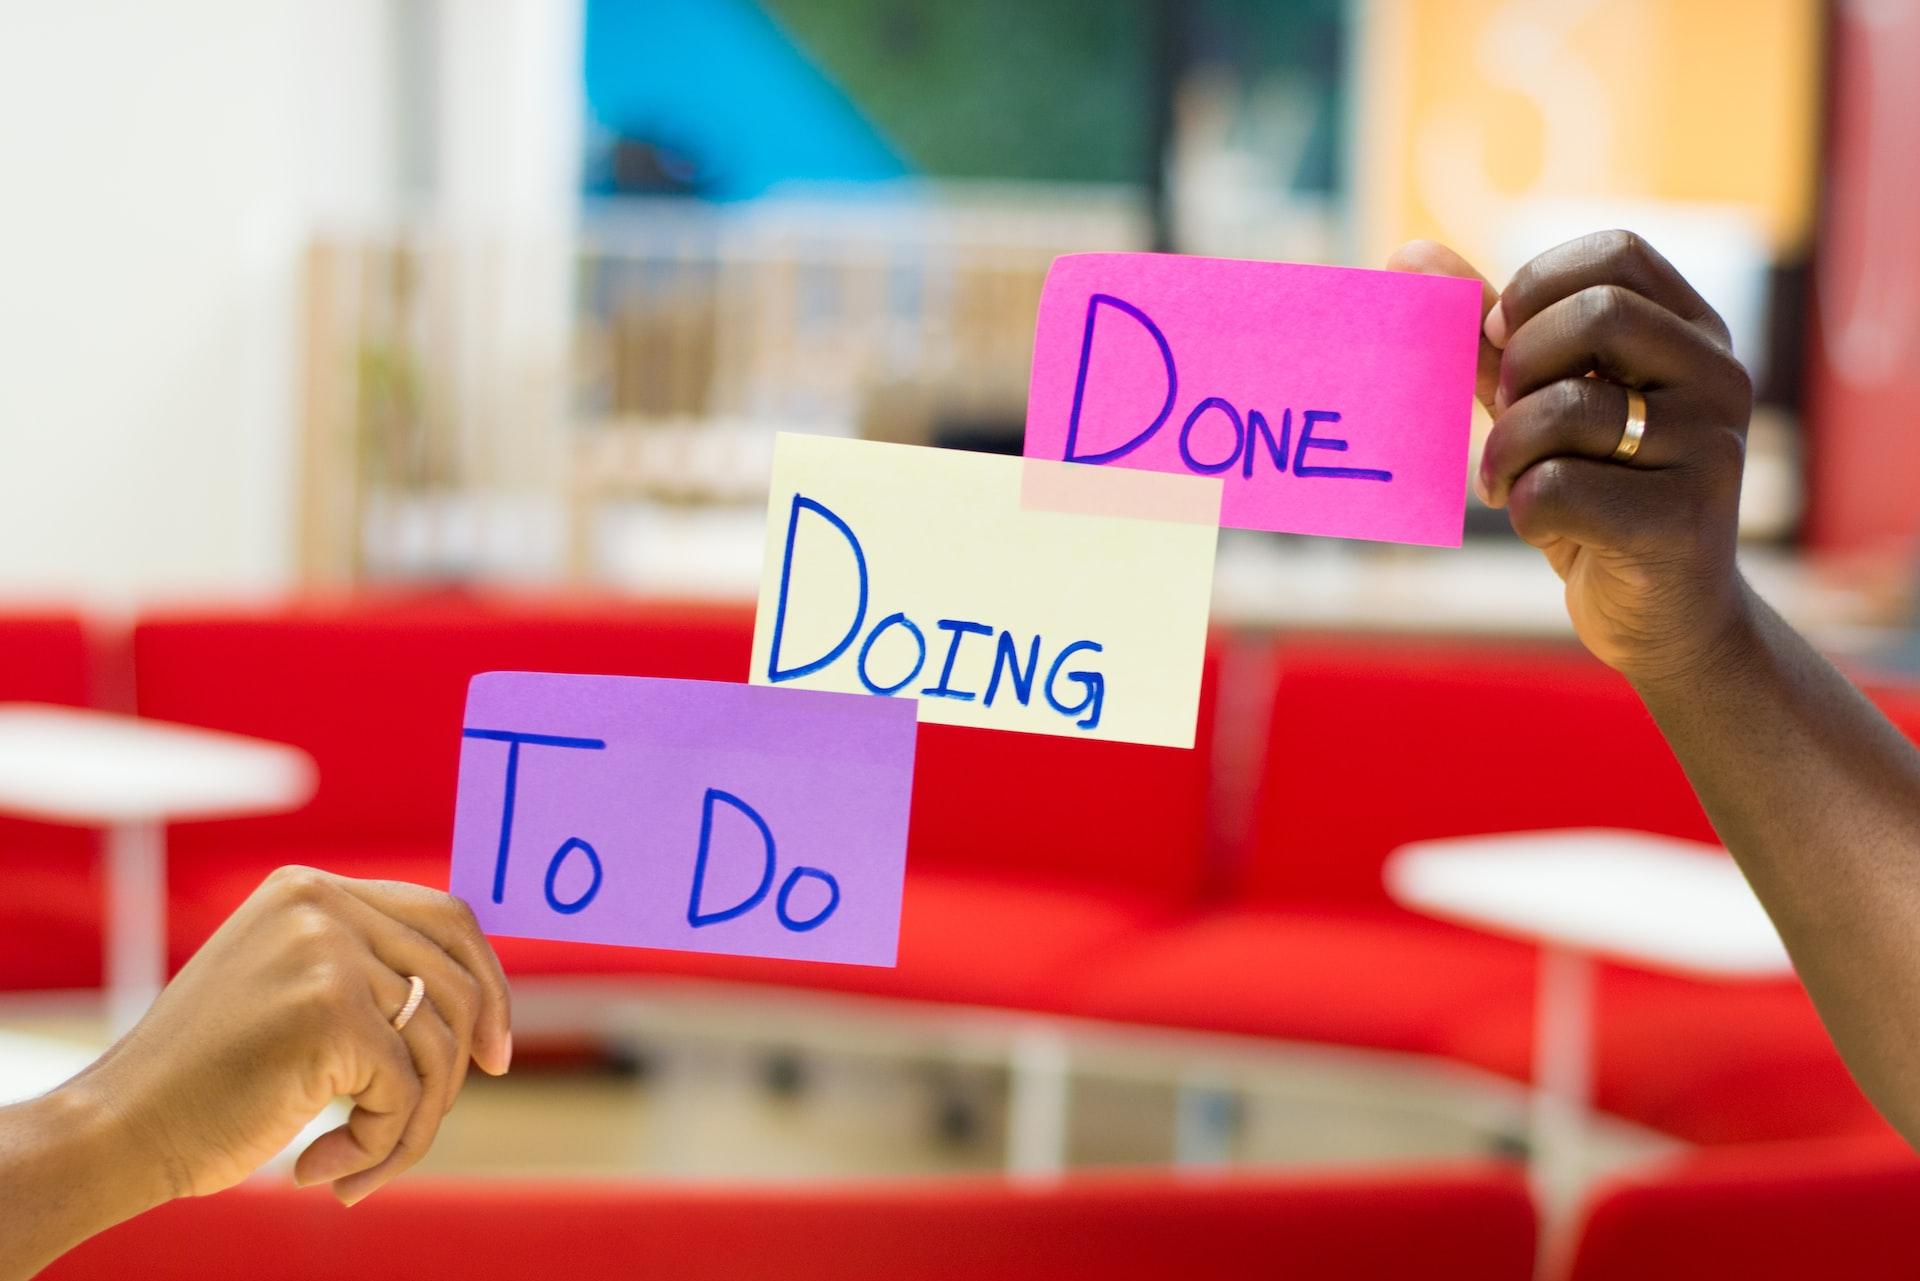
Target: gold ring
[416,992]
[1636,427]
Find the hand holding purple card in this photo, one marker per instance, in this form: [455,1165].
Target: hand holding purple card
[697,815]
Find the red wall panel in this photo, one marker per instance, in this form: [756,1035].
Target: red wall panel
[1863,406]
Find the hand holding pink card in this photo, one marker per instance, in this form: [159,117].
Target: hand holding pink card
[1329,400]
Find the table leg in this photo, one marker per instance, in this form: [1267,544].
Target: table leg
[1037,1112]
[136,921]
[1204,1116]
[1562,1075]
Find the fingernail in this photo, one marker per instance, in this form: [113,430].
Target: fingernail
[497,1063]
[1480,488]
[1499,401]
[337,1161]
[1496,326]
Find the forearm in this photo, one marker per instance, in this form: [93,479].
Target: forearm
[64,1176]
[1818,797]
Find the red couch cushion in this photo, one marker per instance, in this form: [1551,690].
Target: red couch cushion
[1706,1062]
[50,887]
[1116,815]
[1899,699]
[1773,1212]
[375,689]
[45,658]
[1463,1224]
[1373,744]
[1026,852]
[52,900]
[980,940]
[999,940]
[1375,977]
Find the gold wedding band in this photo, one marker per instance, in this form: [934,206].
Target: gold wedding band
[1636,427]
[416,992]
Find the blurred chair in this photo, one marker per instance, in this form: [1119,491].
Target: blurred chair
[1779,1212]
[374,689]
[1452,1224]
[1095,879]
[50,879]
[1372,743]
[1051,875]
[1027,853]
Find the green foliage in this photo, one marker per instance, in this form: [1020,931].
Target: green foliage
[1058,90]
[1050,90]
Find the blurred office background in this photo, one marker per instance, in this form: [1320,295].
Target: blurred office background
[398,292]
[315,312]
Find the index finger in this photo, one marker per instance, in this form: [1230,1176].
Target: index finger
[386,1092]
[450,923]
[1603,258]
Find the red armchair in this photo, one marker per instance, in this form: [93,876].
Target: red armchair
[50,877]
[1465,1224]
[1776,1212]
[1027,853]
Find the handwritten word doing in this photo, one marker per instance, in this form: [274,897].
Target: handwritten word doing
[1007,662]
[699,914]
[1248,433]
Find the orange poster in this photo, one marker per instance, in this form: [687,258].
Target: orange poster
[1469,109]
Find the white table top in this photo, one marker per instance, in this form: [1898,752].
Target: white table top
[87,768]
[32,1065]
[1649,900]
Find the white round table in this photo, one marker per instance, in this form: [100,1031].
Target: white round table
[131,777]
[1650,901]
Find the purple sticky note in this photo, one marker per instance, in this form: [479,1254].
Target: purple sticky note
[698,815]
[1329,400]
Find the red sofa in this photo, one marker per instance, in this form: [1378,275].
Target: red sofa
[1118,898]
[1372,744]
[51,909]
[1777,1212]
[375,690]
[1460,1224]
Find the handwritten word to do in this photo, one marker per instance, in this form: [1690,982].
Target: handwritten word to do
[697,815]
[1329,400]
[1006,593]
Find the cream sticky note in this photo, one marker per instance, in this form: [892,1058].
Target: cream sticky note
[1329,400]
[1000,592]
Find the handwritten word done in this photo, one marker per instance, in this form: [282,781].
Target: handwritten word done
[1253,435]
[1331,401]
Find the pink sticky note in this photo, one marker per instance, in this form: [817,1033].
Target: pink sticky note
[698,815]
[1329,400]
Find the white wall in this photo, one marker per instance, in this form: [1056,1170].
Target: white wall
[161,168]
[506,184]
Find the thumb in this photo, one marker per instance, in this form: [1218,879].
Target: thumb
[1431,258]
